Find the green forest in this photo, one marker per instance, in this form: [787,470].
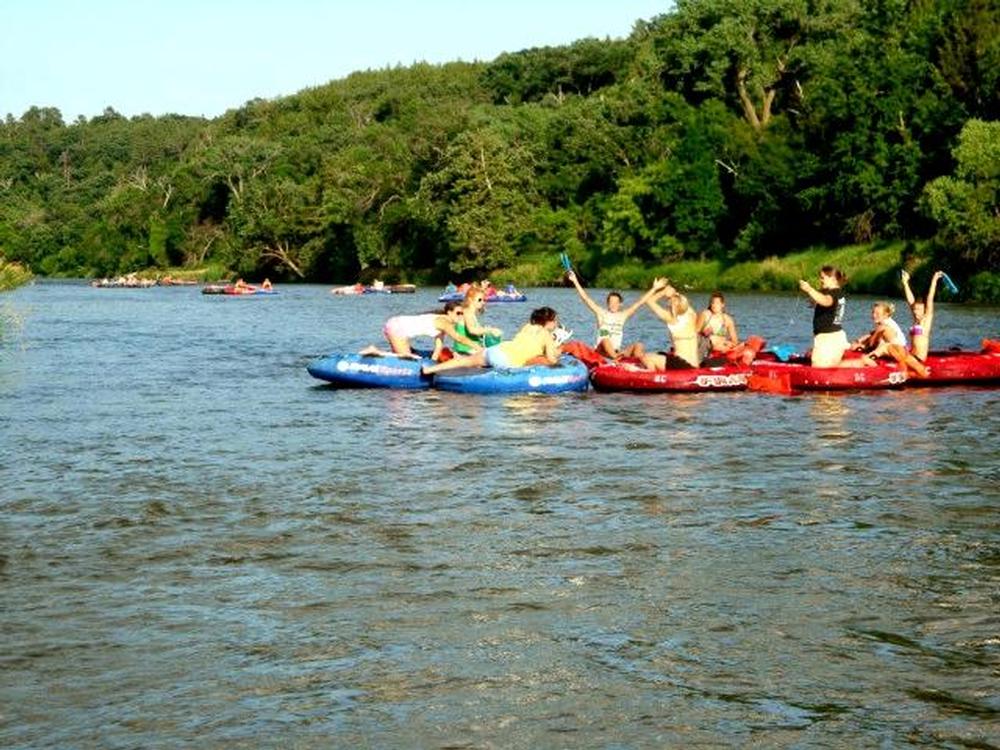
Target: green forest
[719,134]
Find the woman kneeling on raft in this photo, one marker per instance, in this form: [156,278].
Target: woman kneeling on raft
[400,329]
[682,322]
[886,339]
[829,339]
[533,340]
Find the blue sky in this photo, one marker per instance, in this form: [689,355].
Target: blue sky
[202,57]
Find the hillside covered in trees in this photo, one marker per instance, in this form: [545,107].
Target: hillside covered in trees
[724,130]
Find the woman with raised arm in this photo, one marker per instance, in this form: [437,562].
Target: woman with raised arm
[611,321]
[829,340]
[682,322]
[923,315]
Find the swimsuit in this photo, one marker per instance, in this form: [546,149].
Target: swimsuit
[680,324]
[720,330]
[686,344]
[917,329]
[464,348]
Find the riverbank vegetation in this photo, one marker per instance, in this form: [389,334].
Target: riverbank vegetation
[725,142]
[12,275]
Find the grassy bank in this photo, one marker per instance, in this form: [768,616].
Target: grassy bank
[870,269]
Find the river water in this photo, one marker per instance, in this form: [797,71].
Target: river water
[202,546]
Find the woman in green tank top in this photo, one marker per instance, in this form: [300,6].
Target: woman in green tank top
[472,307]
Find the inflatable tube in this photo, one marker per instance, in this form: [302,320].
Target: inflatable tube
[252,292]
[357,371]
[799,376]
[955,368]
[232,291]
[568,375]
[348,291]
[629,377]
[498,297]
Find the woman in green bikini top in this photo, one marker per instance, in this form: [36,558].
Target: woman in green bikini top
[716,326]
[472,307]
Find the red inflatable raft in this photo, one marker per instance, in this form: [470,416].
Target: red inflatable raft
[955,368]
[791,376]
[629,377]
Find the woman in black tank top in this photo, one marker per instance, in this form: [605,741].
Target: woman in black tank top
[829,340]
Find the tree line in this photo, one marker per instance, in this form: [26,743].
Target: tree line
[724,130]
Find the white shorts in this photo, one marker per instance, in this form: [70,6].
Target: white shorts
[495,357]
[828,348]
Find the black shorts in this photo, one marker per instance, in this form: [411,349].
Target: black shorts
[673,362]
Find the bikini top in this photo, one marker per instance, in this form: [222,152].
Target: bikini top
[718,329]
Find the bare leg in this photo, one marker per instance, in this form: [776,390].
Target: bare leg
[654,362]
[606,349]
[906,359]
[856,362]
[478,359]
[400,346]
[633,351]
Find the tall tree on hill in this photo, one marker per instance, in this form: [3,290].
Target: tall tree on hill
[744,52]
[483,195]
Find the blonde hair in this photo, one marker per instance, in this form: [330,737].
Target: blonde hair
[887,307]
[472,291]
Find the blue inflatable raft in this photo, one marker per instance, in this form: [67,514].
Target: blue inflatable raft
[569,375]
[357,371]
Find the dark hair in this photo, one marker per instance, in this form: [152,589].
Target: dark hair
[835,272]
[542,315]
[716,295]
[615,294]
[448,307]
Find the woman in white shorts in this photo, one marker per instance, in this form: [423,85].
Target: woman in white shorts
[399,329]
[829,340]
